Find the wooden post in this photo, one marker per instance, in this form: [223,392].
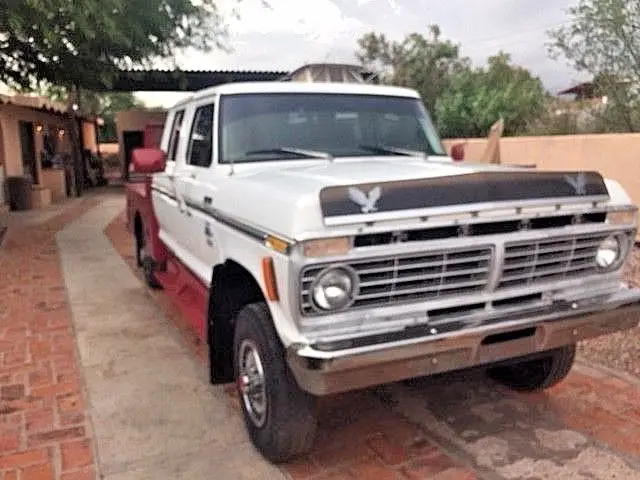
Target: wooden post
[492,151]
[76,139]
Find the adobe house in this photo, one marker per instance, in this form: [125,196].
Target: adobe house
[137,128]
[34,142]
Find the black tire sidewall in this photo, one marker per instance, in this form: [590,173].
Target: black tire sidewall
[290,423]
[551,370]
[138,244]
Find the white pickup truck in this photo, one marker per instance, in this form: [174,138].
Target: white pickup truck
[319,239]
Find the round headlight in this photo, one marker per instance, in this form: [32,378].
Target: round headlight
[609,252]
[334,288]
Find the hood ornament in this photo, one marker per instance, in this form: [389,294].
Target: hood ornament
[367,202]
[579,183]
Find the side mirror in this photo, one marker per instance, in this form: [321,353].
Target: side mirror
[148,160]
[457,152]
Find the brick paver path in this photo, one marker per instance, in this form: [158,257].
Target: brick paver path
[44,432]
[359,437]
[456,427]
[462,427]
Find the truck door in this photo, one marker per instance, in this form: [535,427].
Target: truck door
[170,217]
[192,188]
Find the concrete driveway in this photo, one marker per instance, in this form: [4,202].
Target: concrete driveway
[100,378]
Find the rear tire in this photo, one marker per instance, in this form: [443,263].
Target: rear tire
[538,374]
[279,416]
[144,261]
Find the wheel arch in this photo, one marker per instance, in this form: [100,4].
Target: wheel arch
[232,287]
[138,234]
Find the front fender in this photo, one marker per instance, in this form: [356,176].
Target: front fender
[249,252]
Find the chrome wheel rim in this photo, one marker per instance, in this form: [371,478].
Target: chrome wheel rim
[251,383]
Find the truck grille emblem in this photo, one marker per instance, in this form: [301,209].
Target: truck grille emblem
[579,183]
[367,202]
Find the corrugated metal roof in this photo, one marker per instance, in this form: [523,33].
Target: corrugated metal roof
[186,80]
[215,72]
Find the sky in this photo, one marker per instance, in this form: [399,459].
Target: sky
[293,32]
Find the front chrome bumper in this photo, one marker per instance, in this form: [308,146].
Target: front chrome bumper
[323,372]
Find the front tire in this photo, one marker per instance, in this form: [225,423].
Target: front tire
[280,417]
[538,374]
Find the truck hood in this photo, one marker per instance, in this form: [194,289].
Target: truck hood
[314,195]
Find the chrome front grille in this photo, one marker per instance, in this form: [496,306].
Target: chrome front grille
[411,277]
[550,259]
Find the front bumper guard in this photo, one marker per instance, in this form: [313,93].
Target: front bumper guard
[322,373]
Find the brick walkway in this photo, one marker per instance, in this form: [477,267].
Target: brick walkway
[44,432]
[457,427]
[392,432]
[359,438]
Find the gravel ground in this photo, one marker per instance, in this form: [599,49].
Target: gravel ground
[622,350]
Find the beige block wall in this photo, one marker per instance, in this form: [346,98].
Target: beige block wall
[615,156]
[109,148]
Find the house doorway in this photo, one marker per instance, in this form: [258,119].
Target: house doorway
[28,146]
[131,139]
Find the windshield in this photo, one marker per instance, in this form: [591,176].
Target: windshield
[262,127]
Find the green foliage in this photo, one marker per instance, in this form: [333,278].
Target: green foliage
[464,101]
[103,105]
[477,98]
[603,39]
[84,43]
[426,64]
[109,105]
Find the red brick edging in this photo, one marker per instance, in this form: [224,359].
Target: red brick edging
[44,430]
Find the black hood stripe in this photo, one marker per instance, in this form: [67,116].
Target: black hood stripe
[480,187]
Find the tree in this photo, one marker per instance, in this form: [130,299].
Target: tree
[477,98]
[603,39]
[109,105]
[84,43]
[426,64]
[103,105]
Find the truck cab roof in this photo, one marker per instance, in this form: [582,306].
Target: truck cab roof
[299,87]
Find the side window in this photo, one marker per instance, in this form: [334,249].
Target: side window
[200,148]
[175,136]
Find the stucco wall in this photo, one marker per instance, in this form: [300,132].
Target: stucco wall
[134,120]
[89,136]
[10,116]
[616,156]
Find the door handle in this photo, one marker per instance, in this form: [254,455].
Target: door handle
[207,200]
[193,176]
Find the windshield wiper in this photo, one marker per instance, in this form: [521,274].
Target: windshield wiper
[296,151]
[393,150]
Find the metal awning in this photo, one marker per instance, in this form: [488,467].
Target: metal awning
[194,80]
[186,80]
